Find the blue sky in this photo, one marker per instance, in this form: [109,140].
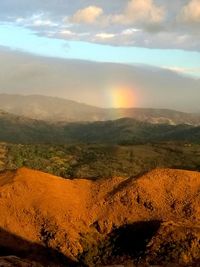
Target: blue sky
[27,40]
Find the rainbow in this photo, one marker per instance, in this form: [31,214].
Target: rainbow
[121,97]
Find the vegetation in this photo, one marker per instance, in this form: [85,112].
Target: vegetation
[100,161]
[124,131]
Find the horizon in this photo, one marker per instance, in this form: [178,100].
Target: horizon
[100,107]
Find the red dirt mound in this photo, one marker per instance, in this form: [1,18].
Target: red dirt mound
[69,215]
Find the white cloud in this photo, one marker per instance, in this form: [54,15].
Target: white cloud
[36,20]
[136,11]
[143,11]
[191,12]
[186,71]
[105,35]
[40,22]
[88,15]
[144,23]
[130,31]
[19,20]
[66,32]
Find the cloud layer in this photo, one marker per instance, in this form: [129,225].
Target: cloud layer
[145,23]
[95,83]
[191,12]
[142,11]
[88,15]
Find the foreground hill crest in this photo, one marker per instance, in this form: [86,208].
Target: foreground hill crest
[69,216]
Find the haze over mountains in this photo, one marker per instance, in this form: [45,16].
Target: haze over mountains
[53,109]
[97,83]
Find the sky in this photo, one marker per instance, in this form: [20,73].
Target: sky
[149,33]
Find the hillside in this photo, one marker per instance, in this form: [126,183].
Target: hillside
[104,222]
[54,109]
[49,108]
[91,161]
[18,129]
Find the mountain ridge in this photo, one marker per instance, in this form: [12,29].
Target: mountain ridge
[55,109]
[18,129]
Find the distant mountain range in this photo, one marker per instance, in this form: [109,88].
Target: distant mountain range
[20,129]
[52,109]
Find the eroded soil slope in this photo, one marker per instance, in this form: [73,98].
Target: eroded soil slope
[153,219]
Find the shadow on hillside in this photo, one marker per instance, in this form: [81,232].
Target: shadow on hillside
[11,244]
[142,173]
[125,184]
[125,243]
[132,239]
